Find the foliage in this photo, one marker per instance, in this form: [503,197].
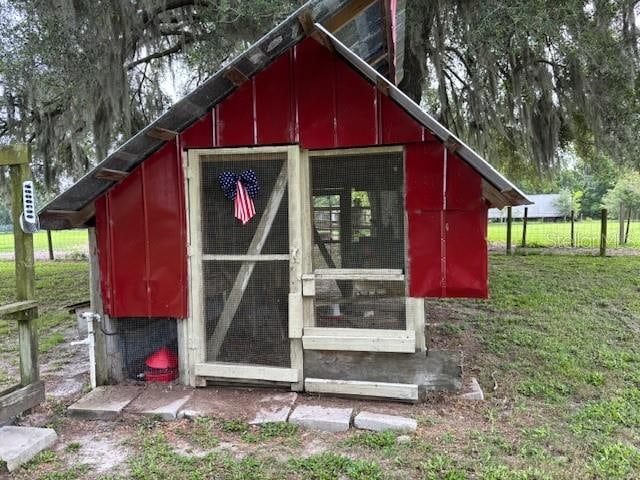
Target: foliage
[77,76]
[625,192]
[568,201]
[522,81]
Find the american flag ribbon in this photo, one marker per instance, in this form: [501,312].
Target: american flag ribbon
[242,189]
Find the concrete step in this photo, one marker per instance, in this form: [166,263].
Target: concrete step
[18,445]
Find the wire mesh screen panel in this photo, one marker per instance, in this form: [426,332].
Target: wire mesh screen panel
[140,338]
[360,304]
[358,211]
[257,330]
[246,302]
[358,219]
[222,233]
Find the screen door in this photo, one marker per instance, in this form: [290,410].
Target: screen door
[244,268]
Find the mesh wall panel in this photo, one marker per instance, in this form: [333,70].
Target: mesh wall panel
[138,338]
[257,332]
[358,214]
[360,304]
[221,231]
[358,211]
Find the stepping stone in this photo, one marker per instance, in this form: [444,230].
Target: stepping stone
[161,401]
[244,404]
[18,445]
[274,408]
[325,419]
[104,403]
[475,391]
[379,422]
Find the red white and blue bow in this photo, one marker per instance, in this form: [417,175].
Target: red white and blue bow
[242,189]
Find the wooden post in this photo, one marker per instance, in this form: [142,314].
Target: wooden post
[20,172]
[50,245]
[603,232]
[573,228]
[524,227]
[621,225]
[509,224]
[626,233]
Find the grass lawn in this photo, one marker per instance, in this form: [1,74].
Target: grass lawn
[63,241]
[57,284]
[559,340]
[558,234]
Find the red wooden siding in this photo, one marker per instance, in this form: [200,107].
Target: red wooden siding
[311,97]
[447,224]
[141,241]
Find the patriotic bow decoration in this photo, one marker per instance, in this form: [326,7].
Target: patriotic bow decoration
[242,189]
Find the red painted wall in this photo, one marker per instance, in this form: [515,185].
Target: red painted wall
[311,97]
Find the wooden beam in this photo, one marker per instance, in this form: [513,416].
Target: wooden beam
[16,400]
[161,133]
[452,144]
[246,258]
[17,307]
[383,87]
[306,22]
[244,274]
[346,14]
[76,218]
[359,340]
[111,175]
[14,154]
[235,76]
[399,391]
[246,372]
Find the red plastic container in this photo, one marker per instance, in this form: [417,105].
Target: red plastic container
[162,366]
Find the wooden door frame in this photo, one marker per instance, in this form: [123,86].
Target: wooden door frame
[194,368]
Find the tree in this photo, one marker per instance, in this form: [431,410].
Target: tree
[626,192]
[77,76]
[568,201]
[520,80]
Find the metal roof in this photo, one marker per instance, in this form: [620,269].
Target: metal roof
[545,205]
[369,26]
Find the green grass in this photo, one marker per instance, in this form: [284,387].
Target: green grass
[57,284]
[559,337]
[558,234]
[63,241]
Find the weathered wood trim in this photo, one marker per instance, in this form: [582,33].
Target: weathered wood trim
[111,175]
[17,307]
[249,372]
[18,154]
[296,320]
[195,329]
[346,14]
[308,286]
[356,151]
[399,391]
[216,154]
[359,340]
[246,258]
[95,295]
[16,400]
[306,22]
[359,274]
[161,133]
[235,76]
[416,321]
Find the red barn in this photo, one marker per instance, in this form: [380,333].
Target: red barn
[361,205]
